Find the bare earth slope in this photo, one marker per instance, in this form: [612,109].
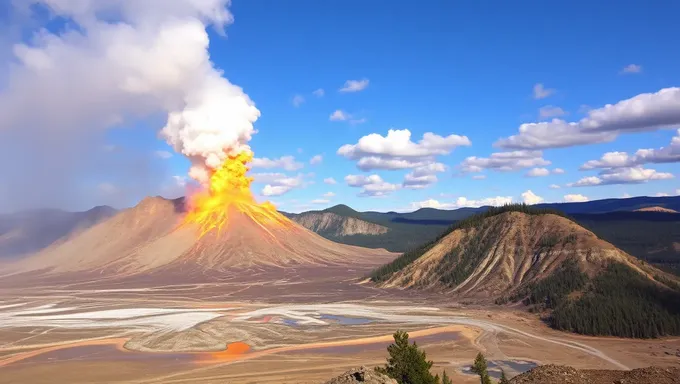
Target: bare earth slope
[150,240]
[331,224]
[656,209]
[556,374]
[506,251]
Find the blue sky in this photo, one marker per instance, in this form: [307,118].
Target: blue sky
[449,68]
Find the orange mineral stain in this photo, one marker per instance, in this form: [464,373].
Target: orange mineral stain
[233,352]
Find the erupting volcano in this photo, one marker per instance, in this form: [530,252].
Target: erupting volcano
[228,191]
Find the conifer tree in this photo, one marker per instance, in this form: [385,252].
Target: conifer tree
[480,367]
[504,379]
[407,364]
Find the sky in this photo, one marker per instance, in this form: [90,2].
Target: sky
[379,105]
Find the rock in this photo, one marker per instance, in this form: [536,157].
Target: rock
[362,375]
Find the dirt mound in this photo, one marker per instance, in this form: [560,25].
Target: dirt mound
[557,374]
[502,252]
[331,224]
[150,239]
[362,375]
[656,209]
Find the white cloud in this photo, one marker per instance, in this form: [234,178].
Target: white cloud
[644,112]
[550,111]
[631,68]
[423,176]
[330,181]
[541,92]
[538,172]
[554,186]
[558,171]
[478,177]
[631,175]
[372,186]
[287,163]
[298,100]
[397,151]
[462,202]
[575,198]
[278,184]
[661,194]
[677,191]
[531,198]
[504,161]
[354,85]
[668,154]
[626,195]
[320,201]
[163,154]
[339,115]
[319,92]
[329,194]
[317,159]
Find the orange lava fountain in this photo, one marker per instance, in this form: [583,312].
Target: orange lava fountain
[229,191]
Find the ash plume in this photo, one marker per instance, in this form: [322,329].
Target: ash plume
[110,64]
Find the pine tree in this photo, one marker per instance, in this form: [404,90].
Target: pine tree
[504,379]
[479,367]
[407,364]
[446,379]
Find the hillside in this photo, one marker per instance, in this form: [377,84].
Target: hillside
[656,209]
[30,231]
[549,262]
[332,225]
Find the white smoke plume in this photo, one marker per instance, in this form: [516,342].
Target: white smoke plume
[115,62]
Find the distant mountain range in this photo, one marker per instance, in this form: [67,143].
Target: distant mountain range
[645,227]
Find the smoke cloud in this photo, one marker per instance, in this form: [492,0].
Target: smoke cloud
[111,64]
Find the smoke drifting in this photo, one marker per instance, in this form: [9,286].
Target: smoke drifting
[108,65]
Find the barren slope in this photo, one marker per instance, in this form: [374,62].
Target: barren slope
[504,252]
[149,240]
[331,224]
[656,209]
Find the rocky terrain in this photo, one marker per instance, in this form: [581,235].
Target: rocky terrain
[656,209]
[362,375]
[556,374]
[331,224]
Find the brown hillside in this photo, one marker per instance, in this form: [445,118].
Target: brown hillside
[148,239]
[656,209]
[331,224]
[506,251]
[556,374]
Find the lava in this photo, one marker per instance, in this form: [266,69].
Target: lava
[229,191]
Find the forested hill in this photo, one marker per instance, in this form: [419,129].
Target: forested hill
[548,262]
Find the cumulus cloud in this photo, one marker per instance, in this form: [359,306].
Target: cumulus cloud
[668,154]
[329,194]
[298,100]
[354,85]
[339,115]
[423,176]
[631,68]
[644,112]
[554,186]
[317,159]
[550,111]
[538,172]
[117,62]
[371,186]
[531,198]
[631,175]
[330,181]
[504,161]
[397,151]
[462,202]
[287,163]
[575,198]
[661,194]
[558,171]
[277,184]
[541,92]
[319,92]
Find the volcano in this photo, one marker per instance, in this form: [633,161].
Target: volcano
[152,240]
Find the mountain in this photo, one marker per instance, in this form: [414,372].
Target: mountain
[655,209]
[150,240]
[332,225]
[548,261]
[612,205]
[30,231]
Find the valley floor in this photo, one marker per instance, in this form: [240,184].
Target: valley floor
[296,327]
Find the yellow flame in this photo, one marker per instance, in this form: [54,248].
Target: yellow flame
[230,188]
